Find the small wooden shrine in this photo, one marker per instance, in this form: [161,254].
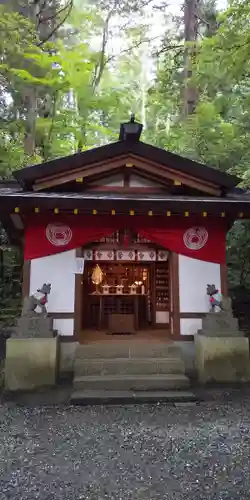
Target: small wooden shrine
[128,235]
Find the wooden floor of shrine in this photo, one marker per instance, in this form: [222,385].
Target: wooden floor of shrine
[154,336]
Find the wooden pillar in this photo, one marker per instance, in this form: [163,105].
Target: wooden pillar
[224,279]
[175,295]
[78,302]
[26,278]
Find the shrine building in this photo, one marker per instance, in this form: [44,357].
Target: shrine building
[128,234]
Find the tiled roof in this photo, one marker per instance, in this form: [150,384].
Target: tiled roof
[88,196]
[28,175]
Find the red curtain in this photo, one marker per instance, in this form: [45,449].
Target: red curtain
[49,237]
[198,242]
[202,239]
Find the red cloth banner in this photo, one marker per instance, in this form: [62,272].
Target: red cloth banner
[198,242]
[203,239]
[49,236]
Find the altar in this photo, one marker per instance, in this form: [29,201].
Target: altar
[118,296]
[125,312]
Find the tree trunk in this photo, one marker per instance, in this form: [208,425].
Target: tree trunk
[30,122]
[30,98]
[191,16]
[43,14]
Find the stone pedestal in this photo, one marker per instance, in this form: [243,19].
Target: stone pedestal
[222,359]
[31,363]
[34,326]
[220,324]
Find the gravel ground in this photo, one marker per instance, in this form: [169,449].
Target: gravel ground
[144,452]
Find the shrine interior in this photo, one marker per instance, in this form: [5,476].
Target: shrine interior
[125,289]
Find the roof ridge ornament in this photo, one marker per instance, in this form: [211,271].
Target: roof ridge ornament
[130,131]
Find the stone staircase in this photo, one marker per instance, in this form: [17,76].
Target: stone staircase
[129,372]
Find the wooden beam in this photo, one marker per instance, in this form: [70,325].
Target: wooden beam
[178,174]
[26,278]
[132,190]
[82,168]
[78,301]
[145,175]
[61,315]
[94,179]
[167,173]
[90,172]
[151,176]
[161,172]
[192,315]
[83,173]
[126,184]
[224,279]
[175,292]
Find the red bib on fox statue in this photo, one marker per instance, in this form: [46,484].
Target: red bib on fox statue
[203,239]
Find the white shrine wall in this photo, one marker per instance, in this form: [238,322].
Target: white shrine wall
[138,181]
[59,270]
[116,180]
[194,275]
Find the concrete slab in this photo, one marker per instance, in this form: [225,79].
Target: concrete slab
[132,382]
[129,366]
[131,397]
[127,350]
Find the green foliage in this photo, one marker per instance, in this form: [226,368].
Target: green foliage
[218,133]
[68,95]
[238,254]
[10,282]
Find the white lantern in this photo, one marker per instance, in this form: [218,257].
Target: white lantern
[133,289]
[105,289]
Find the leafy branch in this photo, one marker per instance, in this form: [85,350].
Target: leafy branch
[68,8]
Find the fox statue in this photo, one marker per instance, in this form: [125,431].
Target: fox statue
[215,298]
[38,300]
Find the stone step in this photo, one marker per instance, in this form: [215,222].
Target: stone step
[128,350]
[89,397]
[131,382]
[129,366]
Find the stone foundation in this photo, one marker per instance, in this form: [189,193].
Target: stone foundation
[187,350]
[222,359]
[67,352]
[31,363]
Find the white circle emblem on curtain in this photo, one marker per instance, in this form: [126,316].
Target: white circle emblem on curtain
[58,234]
[195,238]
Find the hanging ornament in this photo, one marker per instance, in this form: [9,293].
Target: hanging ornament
[97,277]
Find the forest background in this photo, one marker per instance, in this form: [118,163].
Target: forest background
[72,70]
